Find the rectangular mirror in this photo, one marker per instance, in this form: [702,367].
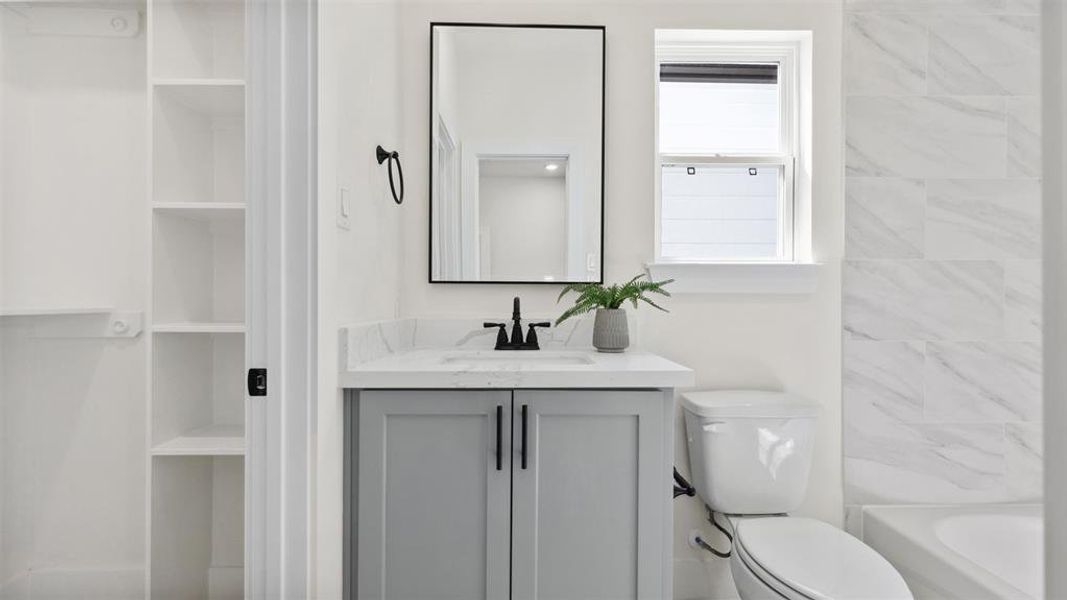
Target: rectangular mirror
[516,153]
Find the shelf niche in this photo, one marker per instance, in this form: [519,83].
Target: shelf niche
[198,393]
[198,270]
[198,142]
[198,527]
[198,39]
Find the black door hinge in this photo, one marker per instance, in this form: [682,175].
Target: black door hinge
[257,382]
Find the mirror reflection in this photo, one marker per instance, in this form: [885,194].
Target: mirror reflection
[516,153]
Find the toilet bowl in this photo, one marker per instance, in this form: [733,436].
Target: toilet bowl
[797,558]
[750,456]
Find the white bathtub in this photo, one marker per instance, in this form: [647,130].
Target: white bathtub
[961,552]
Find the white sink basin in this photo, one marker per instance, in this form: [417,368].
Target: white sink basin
[530,358]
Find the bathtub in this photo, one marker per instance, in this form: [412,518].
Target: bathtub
[973,552]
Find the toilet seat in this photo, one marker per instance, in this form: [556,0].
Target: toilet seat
[806,559]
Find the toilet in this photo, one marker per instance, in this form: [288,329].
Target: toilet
[750,454]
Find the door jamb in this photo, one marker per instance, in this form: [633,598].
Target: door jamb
[280,170]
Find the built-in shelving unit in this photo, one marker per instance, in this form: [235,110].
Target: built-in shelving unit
[196,432]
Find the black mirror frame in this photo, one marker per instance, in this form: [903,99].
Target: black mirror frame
[603,105]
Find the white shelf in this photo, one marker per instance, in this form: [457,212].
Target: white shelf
[199,328]
[79,322]
[197,81]
[213,440]
[53,312]
[202,211]
[209,97]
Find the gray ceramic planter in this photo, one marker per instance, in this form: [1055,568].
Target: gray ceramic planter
[610,331]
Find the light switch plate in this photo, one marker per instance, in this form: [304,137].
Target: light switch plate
[344,208]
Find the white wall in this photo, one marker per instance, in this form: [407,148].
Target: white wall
[72,184]
[526,221]
[790,343]
[359,269]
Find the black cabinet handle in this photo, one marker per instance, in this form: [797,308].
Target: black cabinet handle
[499,437]
[524,436]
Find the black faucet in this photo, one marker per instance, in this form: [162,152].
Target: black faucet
[516,342]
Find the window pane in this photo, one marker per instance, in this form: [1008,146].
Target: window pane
[721,212]
[714,117]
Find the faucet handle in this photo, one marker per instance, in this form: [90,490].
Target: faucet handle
[501,333]
[531,336]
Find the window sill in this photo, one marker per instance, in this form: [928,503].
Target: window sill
[737,278]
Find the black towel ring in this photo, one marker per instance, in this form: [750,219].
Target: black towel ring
[384,155]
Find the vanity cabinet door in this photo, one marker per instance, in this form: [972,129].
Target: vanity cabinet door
[434,507]
[589,505]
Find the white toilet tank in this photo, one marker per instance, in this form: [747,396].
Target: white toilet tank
[749,451]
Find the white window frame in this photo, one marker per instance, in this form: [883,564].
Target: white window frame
[732,47]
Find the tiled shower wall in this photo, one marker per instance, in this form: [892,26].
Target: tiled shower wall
[942,398]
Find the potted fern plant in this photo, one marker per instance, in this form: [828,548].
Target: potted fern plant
[610,330]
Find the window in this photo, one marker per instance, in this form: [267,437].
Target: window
[728,147]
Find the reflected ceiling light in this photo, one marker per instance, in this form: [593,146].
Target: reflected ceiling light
[551,167]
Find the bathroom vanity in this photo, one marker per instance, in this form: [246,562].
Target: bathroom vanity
[492,474]
[486,465]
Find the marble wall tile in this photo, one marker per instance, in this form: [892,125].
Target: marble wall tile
[1022,300]
[982,381]
[923,300]
[948,137]
[929,6]
[1023,119]
[884,218]
[941,305]
[983,218]
[887,376]
[885,54]
[1022,7]
[984,55]
[1023,461]
[924,463]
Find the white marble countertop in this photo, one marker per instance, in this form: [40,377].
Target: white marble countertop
[572,368]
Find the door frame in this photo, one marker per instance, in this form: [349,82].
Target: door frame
[280,275]
[1054,221]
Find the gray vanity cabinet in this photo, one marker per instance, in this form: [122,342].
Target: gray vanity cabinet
[587,515]
[588,508]
[434,510]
